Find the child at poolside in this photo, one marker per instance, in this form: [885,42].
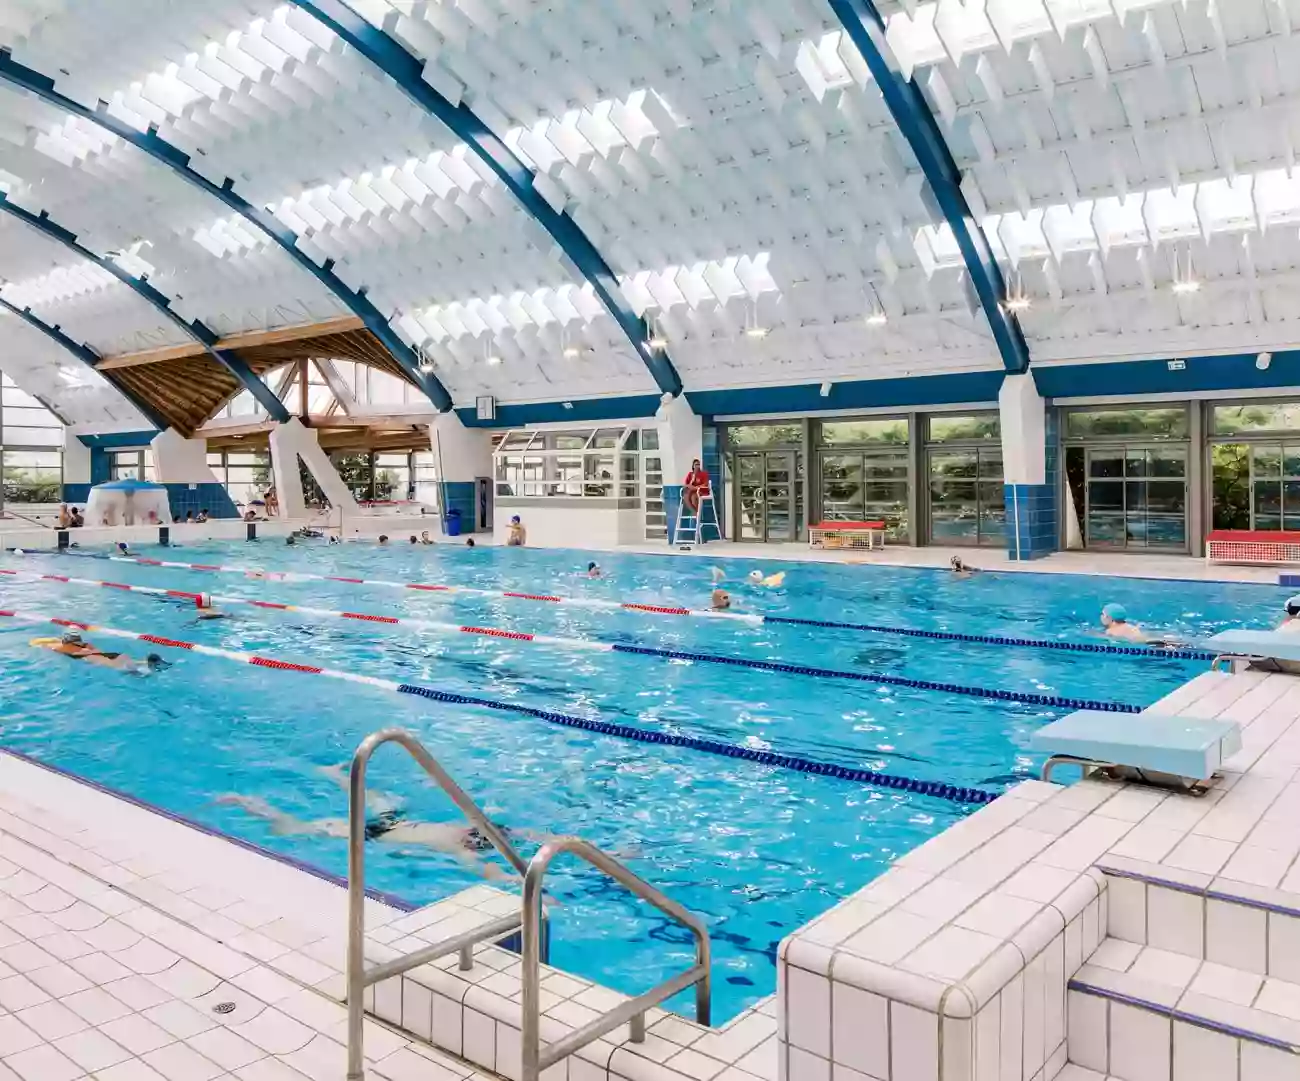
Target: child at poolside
[517,536]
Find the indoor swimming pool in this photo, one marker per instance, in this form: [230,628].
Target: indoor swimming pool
[756,849]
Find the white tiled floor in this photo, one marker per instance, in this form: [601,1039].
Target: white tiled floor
[134,948]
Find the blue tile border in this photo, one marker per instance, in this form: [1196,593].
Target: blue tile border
[1208,892]
[392,900]
[1175,1014]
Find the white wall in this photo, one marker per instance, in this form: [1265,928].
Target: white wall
[76,459]
[572,527]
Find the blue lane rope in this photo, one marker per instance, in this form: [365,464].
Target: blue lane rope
[1001,640]
[1051,700]
[938,789]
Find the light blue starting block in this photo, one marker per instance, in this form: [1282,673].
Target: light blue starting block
[1138,747]
[1256,646]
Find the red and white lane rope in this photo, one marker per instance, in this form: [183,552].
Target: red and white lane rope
[635,733]
[261,574]
[325,613]
[194,647]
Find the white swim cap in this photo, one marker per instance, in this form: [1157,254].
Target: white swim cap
[1293,605]
[755,576]
[19,552]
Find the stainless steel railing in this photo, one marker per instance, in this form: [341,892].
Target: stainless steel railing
[358,976]
[535,1057]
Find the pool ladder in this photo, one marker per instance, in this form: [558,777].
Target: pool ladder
[528,921]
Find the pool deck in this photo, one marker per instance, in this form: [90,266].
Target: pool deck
[1126,931]
[134,947]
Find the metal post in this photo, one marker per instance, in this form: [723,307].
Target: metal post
[531,972]
[357,910]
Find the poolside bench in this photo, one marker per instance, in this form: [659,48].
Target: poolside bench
[1256,646]
[1147,747]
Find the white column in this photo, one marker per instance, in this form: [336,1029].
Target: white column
[177,460]
[1024,431]
[76,459]
[289,442]
[461,455]
[681,438]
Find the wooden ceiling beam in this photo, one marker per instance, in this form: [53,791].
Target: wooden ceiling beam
[246,340]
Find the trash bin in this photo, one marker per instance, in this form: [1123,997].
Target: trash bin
[453,523]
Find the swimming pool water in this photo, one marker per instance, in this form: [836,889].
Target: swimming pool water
[756,850]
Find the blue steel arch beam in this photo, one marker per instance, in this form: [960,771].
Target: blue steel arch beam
[912,114]
[196,329]
[88,357]
[179,162]
[406,70]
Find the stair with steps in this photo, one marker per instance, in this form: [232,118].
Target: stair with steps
[1192,983]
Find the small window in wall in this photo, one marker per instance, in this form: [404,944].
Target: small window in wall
[1255,418]
[974,428]
[764,435]
[131,465]
[393,476]
[1157,422]
[854,433]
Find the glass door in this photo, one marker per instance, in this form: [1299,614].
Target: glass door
[780,481]
[967,505]
[768,502]
[1137,497]
[751,497]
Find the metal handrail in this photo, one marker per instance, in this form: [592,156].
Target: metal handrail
[535,1058]
[358,978]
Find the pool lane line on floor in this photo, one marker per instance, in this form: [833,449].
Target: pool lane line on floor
[1172,653]
[590,645]
[938,789]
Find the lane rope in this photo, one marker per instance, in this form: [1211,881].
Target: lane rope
[1182,654]
[799,764]
[1026,697]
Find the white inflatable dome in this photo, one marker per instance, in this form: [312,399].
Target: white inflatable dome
[128,502]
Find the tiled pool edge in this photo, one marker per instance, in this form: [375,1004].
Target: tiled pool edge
[884,970]
[389,899]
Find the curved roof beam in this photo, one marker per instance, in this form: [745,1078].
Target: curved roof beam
[407,71]
[88,357]
[356,301]
[232,362]
[911,112]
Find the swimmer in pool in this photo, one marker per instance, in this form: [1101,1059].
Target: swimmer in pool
[594,571]
[1114,619]
[123,549]
[720,600]
[425,538]
[771,581]
[78,649]
[208,610]
[385,824]
[960,569]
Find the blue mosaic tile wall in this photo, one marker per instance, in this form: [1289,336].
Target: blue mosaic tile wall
[1033,518]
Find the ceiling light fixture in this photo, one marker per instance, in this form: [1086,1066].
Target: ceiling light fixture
[1017,299]
[753,328]
[877,316]
[656,342]
[1185,281]
[572,352]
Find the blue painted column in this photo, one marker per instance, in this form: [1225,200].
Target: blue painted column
[1030,468]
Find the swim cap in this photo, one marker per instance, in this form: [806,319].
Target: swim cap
[1116,612]
[71,638]
[1293,605]
[755,576]
[515,518]
[591,566]
[19,552]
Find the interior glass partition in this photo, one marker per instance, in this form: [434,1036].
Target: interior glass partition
[764,467]
[864,472]
[1127,472]
[1254,465]
[967,505]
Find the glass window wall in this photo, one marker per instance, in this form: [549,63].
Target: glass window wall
[597,463]
[31,454]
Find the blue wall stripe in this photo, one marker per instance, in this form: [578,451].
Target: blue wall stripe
[356,301]
[1235,371]
[916,123]
[110,440]
[860,394]
[407,71]
[583,409]
[43,224]
[87,356]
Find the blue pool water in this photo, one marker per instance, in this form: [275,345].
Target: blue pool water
[756,850]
